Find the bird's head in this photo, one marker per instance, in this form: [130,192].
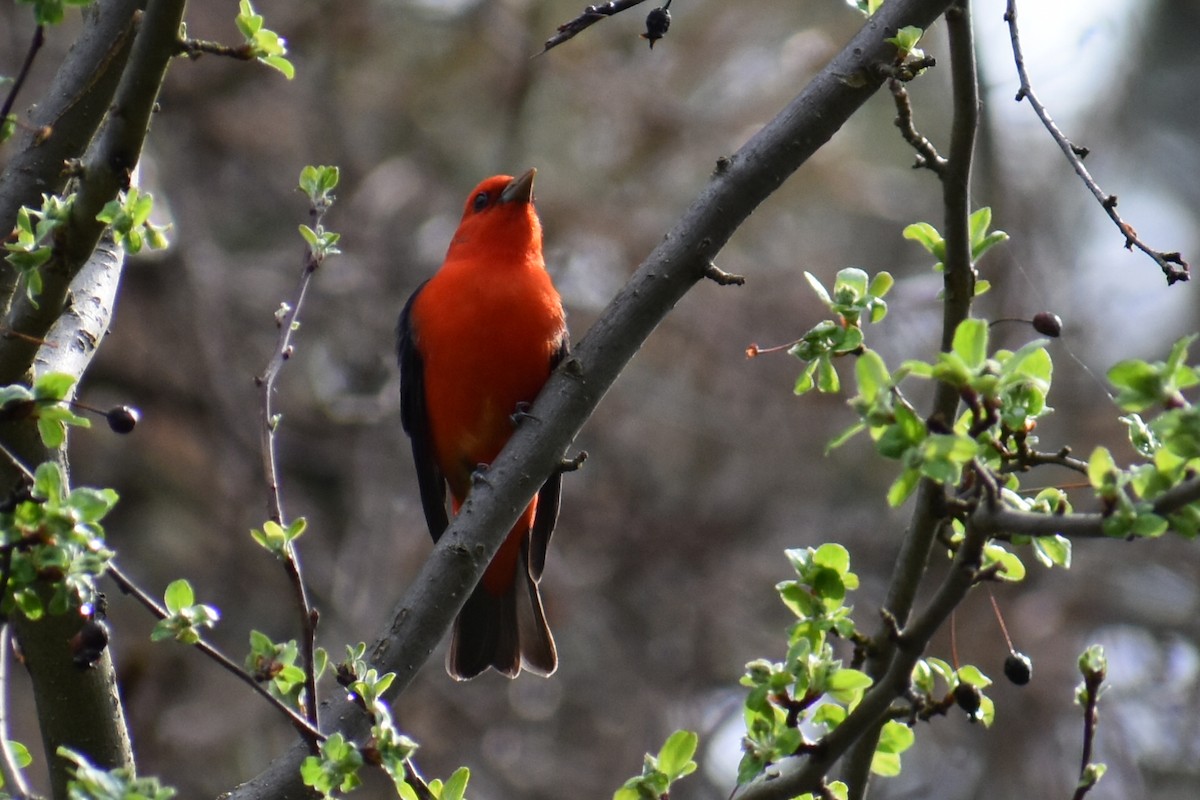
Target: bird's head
[499,216]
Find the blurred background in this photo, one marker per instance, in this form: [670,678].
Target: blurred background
[703,466]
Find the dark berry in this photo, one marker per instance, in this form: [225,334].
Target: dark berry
[658,21]
[122,419]
[967,697]
[1047,324]
[89,643]
[1018,668]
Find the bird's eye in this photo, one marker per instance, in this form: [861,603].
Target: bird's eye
[480,202]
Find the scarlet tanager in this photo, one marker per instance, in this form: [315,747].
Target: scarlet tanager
[477,342]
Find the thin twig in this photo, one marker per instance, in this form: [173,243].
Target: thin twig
[589,17]
[306,729]
[927,155]
[194,48]
[39,37]
[1091,719]
[1172,264]
[287,320]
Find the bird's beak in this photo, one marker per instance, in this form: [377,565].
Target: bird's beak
[519,189]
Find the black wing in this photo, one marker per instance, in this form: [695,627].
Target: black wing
[414,417]
[549,498]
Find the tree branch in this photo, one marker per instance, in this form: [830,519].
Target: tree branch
[589,17]
[76,708]
[749,177]
[929,511]
[1173,266]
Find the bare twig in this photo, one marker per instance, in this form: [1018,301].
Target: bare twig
[927,155]
[302,726]
[39,37]
[723,278]
[194,48]
[287,321]
[1172,264]
[589,17]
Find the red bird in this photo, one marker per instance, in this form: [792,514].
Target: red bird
[477,342]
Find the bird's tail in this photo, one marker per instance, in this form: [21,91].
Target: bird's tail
[501,632]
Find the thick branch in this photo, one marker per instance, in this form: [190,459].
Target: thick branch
[78,708]
[750,176]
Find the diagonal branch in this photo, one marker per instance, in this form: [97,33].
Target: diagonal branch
[1173,266]
[745,180]
[586,19]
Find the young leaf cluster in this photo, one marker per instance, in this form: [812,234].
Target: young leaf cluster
[1169,441]
[659,772]
[44,402]
[318,184]
[856,299]
[274,663]
[263,44]
[31,243]
[92,783]
[185,617]
[336,768]
[983,239]
[128,218]
[276,539]
[809,690]
[53,545]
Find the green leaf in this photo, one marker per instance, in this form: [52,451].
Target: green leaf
[847,685]
[881,284]
[979,222]
[455,787]
[894,739]
[971,341]
[1053,550]
[53,386]
[1100,468]
[805,383]
[818,287]
[280,64]
[928,237]
[827,377]
[902,487]
[179,595]
[851,282]
[675,757]
[872,374]
[971,674]
[1011,566]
